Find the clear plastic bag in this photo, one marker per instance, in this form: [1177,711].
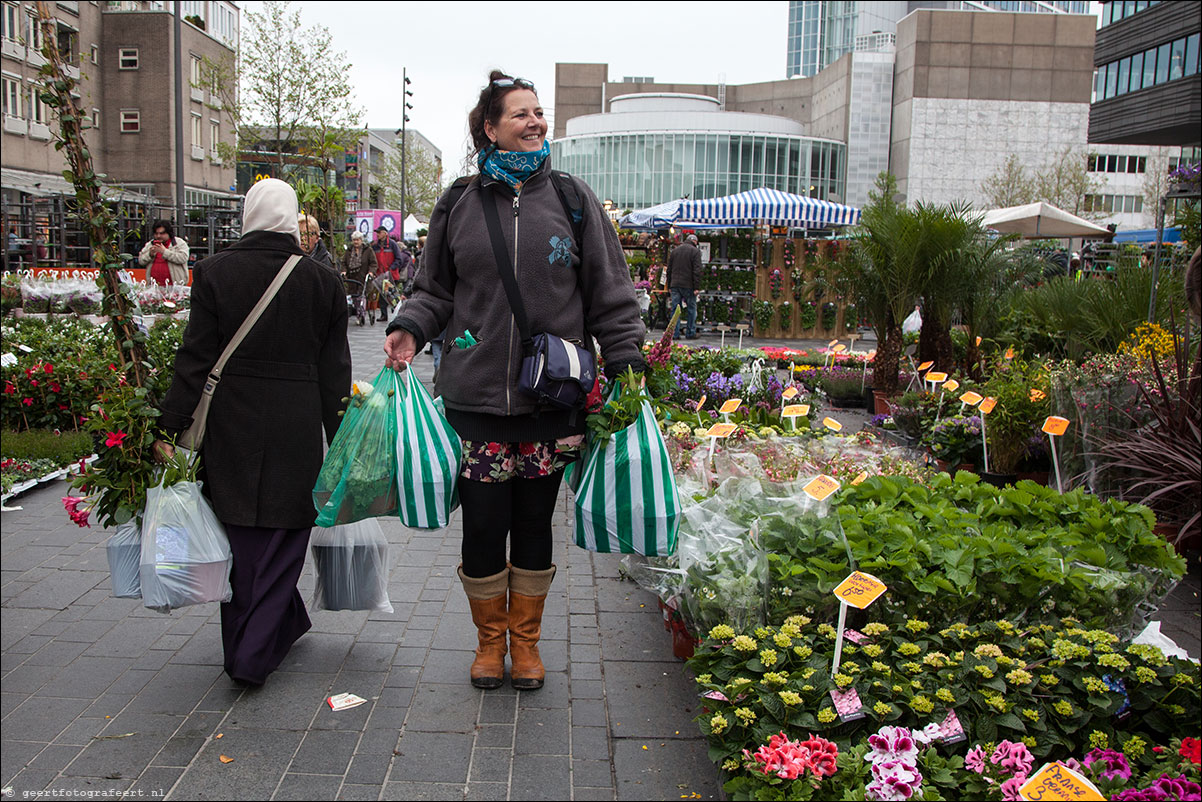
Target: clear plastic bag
[124,549]
[351,563]
[36,296]
[186,555]
[358,479]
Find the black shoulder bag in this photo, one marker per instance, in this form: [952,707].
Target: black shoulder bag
[554,371]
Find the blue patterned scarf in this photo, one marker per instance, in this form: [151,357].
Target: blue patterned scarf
[512,166]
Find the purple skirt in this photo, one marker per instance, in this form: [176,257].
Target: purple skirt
[266,615]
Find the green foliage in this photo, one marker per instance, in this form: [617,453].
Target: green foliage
[763,312]
[1018,415]
[622,409]
[784,315]
[37,444]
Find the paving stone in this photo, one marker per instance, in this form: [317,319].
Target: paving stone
[370,657]
[54,758]
[80,731]
[56,653]
[592,773]
[395,697]
[31,644]
[360,792]
[446,665]
[409,789]
[490,765]
[58,590]
[589,713]
[288,701]
[585,671]
[203,648]
[634,636]
[308,786]
[410,656]
[155,782]
[124,757]
[403,676]
[494,736]
[541,732]
[88,787]
[443,708]
[338,622]
[260,760]
[590,743]
[382,632]
[378,741]
[369,770]
[581,793]
[628,686]
[85,678]
[432,757]
[178,752]
[14,757]
[678,769]
[40,719]
[176,689]
[541,777]
[112,609]
[486,791]
[129,638]
[554,695]
[19,623]
[326,752]
[498,709]
[29,781]
[220,698]
[417,638]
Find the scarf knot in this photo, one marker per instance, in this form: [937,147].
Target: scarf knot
[512,166]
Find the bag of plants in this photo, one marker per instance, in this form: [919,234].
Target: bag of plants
[428,453]
[185,552]
[358,479]
[351,563]
[124,549]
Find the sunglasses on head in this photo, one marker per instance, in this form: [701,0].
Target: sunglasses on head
[506,83]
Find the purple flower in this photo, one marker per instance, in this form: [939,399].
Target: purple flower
[1010,788]
[1177,787]
[1116,765]
[1152,794]
[894,780]
[1015,758]
[975,759]
[890,744]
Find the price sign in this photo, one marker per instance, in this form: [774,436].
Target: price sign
[731,406]
[1010,353]
[936,378]
[863,475]
[871,355]
[700,403]
[860,589]
[838,349]
[971,398]
[1037,395]
[925,366]
[951,386]
[721,430]
[832,343]
[978,342]
[1057,781]
[1055,425]
[795,411]
[987,405]
[789,393]
[832,424]
[821,488]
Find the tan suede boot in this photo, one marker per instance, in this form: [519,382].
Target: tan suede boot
[490,614]
[527,593]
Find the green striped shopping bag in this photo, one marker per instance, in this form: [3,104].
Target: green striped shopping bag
[428,454]
[626,497]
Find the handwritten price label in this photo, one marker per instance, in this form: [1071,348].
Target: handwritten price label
[832,424]
[731,406]
[1055,426]
[978,342]
[971,398]
[1057,781]
[987,405]
[925,366]
[821,488]
[789,393]
[832,343]
[871,355]
[701,403]
[951,386]
[863,475]
[1037,395]
[838,349]
[795,411]
[936,378]
[721,430]
[860,590]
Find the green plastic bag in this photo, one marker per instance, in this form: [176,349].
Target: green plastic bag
[358,479]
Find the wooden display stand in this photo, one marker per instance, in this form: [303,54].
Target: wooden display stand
[807,264]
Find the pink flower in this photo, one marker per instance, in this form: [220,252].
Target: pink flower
[893,781]
[1116,765]
[1177,787]
[115,438]
[1013,757]
[79,516]
[892,743]
[975,760]
[1011,786]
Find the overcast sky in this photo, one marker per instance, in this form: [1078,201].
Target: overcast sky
[449,47]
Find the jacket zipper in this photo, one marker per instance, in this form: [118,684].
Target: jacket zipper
[512,320]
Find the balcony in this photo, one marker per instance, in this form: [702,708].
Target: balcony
[198,153]
[33,58]
[12,49]
[71,71]
[198,94]
[15,125]
[39,131]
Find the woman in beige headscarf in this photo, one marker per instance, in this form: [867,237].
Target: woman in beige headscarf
[263,445]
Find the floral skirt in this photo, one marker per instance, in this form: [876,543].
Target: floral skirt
[500,462]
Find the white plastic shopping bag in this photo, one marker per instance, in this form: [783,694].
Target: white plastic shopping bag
[124,550]
[186,555]
[351,562]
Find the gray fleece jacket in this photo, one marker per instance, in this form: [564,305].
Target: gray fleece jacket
[574,290]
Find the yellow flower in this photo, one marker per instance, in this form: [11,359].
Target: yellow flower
[722,632]
[935,659]
[791,630]
[807,688]
[718,724]
[882,709]
[745,715]
[742,643]
[730,765]
[1098,740]
[1036,643]
[921,704]
[873,650]
[782,640]
[705,679]
[996,701]
[774,678]
[913,668]
[874,628]
[827,630]
[850,667]
[843,680]
[984,671]
[1030,715]
[1063,707]
[1068,650]
[802,652]
[768,657]
[1019,677]
[880,667]
[916,626]
[1147,653]
[1005,661]
[909,649]
[1028,741]
[1183,679]
[1049,680]
[1094,685]
[988,650]
[792,698]
[797,621]
[739,682]
[1114,661]
[826,715]
[1145,674]
[1005,626]
[762,632]
[809,672]
[946,696]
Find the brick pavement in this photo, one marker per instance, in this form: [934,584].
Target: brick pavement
[99,694]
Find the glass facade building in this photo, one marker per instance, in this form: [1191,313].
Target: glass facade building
[640,169]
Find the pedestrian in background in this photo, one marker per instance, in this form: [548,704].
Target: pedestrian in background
[263,448]
[390,259]
[165,256]
[310,237]
[514,450]
[684,279]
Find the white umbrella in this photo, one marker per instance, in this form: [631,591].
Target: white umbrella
[1041,221]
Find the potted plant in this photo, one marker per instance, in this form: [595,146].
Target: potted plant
[955,442]
[1015,419]
[842,386]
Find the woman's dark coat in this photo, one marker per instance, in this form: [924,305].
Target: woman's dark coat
[263,443]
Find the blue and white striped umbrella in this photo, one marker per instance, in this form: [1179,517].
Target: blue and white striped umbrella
[767,206]
[655,217]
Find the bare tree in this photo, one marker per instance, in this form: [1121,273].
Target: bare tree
[1156,184]
[1010,185]
[1065,180]
[423,181]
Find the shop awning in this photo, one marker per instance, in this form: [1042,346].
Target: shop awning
[1041,221]
[769,206]
[1148,235]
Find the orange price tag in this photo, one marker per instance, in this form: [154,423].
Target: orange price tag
[863,475]
[1056,781]
[838,349]
[978,342]
[731,406]
[700,403]
[832,343]
[871,355]
[925,366]
[937,378]
[860,590]
[789,393]
[971,398]
[1037,395]
[987,405]
[832,424]
[821,487]
[1055,426]
[951,386]
[721,430]
[1010,353]
[795,411]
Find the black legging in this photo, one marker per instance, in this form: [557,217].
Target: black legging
[519,508]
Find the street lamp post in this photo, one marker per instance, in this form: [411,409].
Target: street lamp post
[405,106]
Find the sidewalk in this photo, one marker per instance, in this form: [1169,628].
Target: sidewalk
[100,694]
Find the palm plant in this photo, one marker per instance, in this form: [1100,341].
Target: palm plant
[990,273]
[950,231]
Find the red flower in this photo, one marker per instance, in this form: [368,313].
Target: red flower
[1191,750]
[9,388]
[48,368]
[33,382]
[28,371]
[114,439]
[823,755]
[27,402]
[526,449]
[55,387]
[112,367]
[493,448]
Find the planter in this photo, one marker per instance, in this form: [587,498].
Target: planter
[880,403]
[124,550]
[847,402]
[348,577]
[1038,477]
[999,479]
[683,643]
[947,467]
[166,586]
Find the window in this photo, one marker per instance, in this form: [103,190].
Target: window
[127,58]
[96,119]
[95,54]
[1137,72]
[195,74]
[1143,164]
[40,110]
[1124,76]
[1112,74]
[1191,55]
[214,136]
[1132,164]
[9,21]
[33,35]
[1149,67]
[131,121]
[1177,60]
[196,131]
[12,98]
[1162,63]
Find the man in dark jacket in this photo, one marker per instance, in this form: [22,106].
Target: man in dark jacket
[391,265]
[684,277]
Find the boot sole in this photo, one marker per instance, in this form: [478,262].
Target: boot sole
[487,683]
[527,684]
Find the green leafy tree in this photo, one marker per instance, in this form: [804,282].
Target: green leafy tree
[423,181]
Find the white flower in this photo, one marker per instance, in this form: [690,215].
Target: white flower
[928,734]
